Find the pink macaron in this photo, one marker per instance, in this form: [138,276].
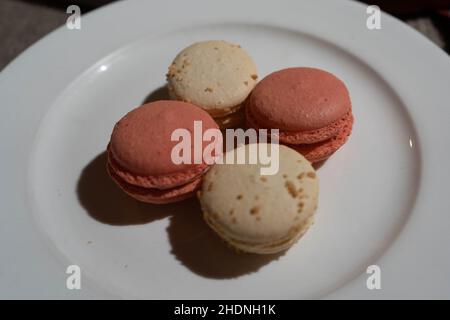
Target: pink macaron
[310,107]
[140,152]
[320,151]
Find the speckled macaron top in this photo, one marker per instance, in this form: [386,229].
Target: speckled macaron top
[250,209]
[215,75]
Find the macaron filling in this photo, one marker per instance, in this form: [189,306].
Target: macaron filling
[300,137]
[161,182]
[265,247]
[156,195]
[319,151]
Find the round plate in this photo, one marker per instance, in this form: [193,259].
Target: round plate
[382,199]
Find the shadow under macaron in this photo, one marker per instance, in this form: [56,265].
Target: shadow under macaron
[198,248]
[232,121]
[160,93]
[104,201]
[192,242]
[319,164]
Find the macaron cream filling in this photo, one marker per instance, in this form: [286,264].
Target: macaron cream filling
[298,137]
[157,196]
[162,182]
[266,246]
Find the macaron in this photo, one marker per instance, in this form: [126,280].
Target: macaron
[320,151]
[311,108]
[140,152]
[214,75]
[256,213]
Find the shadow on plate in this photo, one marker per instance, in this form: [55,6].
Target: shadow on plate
[105,202]
[161,93]
[192,241]
[319,164]
[197,247]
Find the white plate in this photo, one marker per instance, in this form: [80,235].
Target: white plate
[383,200]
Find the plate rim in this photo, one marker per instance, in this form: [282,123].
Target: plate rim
[37,56]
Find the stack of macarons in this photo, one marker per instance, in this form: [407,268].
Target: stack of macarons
[310,107]
[215,82]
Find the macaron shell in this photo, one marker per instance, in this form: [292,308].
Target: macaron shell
[259,211]
[156,196]
[215,75]
[268,248]
[280,246]
[156,181]
[320,151]
[214,112]
[310,136]
[141,146]
[299,99]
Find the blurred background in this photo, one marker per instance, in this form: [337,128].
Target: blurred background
[23,22]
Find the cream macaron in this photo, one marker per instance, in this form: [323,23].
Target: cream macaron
[216,76]
[257,213]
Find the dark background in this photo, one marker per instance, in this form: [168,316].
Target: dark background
[23,22]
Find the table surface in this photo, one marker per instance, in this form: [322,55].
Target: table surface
[23,22]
